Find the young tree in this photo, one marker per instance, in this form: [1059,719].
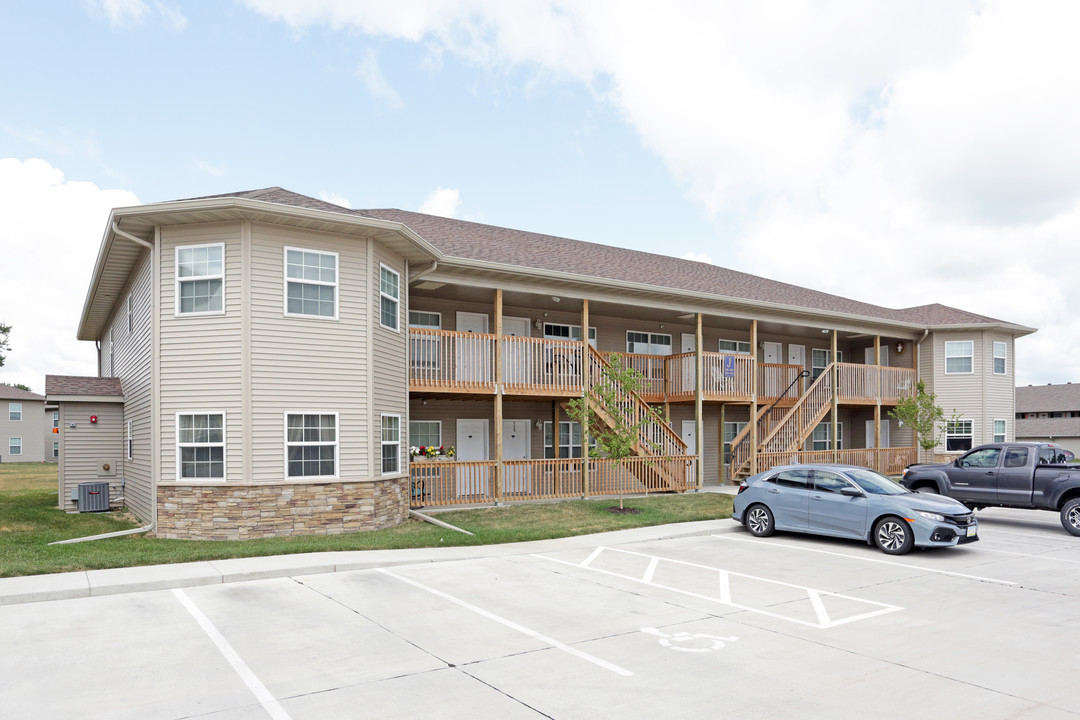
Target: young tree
[4,345]
[923,415]
[603,417]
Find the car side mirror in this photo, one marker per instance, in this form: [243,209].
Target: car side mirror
[851,492]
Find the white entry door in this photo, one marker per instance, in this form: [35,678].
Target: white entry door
[472,444]
[884,433]
[515,355]
[796,355]
[516,443]
[689,342]
[689,436]
[774,383]
[473,356]
[884,355]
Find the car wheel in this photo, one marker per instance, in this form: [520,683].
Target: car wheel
[1070,516]
[893,536]
[759,521]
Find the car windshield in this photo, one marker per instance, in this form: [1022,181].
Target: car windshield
[874,483]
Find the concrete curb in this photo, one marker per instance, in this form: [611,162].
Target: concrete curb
[113,581]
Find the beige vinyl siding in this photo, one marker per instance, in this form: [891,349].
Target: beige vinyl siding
[28,429]
[308,364]
[961,394]
[389,371]
[132,353]
[48,437]
[1000,390]
[82,447]
[200,356]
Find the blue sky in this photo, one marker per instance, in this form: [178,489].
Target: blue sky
[894,153]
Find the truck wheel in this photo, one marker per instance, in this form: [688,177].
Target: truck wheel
[759,521]
[893,536]
[1070,516]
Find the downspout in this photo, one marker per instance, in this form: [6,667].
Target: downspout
[153,522]
[421,273]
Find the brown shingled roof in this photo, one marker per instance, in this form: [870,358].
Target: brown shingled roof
[1048,398]
[82,385]
[1048,427]
[476,241]
[10,392]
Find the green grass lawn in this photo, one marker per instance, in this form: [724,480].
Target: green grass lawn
[30,520]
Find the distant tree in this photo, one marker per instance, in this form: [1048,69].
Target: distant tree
[23,387]
[923,415]
[4,344]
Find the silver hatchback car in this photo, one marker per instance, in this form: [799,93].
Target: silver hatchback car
[851,502]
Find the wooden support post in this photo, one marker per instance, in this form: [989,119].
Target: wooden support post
[498,395]
[753,399]
[699,425]
[720,444]
[585,389]
[835,395]
[877,400]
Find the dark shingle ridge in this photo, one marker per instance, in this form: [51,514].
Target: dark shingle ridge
[469,240]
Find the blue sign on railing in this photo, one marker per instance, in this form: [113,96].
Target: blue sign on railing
[729,366]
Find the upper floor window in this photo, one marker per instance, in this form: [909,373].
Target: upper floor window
[390,294]
[130,315]
[200,445]
[311,280]
[56,419]
[821,359]
[15,412]
[1000,351]
[738,347]
[648,343]
[959,357]
[200,279]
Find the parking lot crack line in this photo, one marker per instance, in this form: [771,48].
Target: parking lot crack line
[511,624]
[265,698]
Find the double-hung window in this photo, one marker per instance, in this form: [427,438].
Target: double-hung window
[15,412]
[311,441]
[737,347]
[200,445]
[391,444]
[822,438]
[1000,353]
[15,446]
[821,359]
[558,331]
[200,279]
[311,281]
[959,356]
[999,431]
[424,349]
[958,435]
[731,429]
[569,445]
[425,433]
[390,297]
[648,343]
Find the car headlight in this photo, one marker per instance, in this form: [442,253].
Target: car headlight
[931,516]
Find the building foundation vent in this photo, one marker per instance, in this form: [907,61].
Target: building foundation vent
[93,497]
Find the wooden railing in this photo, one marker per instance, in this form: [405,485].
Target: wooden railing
[774,379]
[454,482]
[457,361]
[887,461]
[652,369]
[800,419]
[541,366]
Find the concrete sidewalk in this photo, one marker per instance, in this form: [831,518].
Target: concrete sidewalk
[88,583]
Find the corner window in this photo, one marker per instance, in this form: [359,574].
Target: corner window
[200,279]
[648,343]
[823,436]
[999,431]
[390,295]
[200,445]
[959,357]
[738,347]
[15,412]
[1000,352]
[311,280]
[15,446]
[958,435]
[311,441]
[425,433]
[391,444]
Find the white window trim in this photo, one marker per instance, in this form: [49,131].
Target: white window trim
[397,328]
[12,405]
[993,430]
[223,444]
[651,343]
[383,443]
[736,343]
[285,284]
[570,333]
[10,443]
[1004,357]
[177,280]
[970,435]
[425,312]
[336,444]
[828,435]
[970,355]
[412,440]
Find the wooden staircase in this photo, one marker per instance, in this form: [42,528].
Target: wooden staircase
[656,439]
[783,430]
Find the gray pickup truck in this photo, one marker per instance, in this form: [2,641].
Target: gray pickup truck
[1014,475]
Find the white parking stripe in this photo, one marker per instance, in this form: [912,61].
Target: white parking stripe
[269,703]
[510,624]
[768,543]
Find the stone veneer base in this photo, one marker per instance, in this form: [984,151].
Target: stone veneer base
[243,512]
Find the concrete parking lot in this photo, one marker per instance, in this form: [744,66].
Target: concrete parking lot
[638,625]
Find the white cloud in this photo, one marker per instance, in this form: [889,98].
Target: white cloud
[697,257]
[899,153]
[376,83]
[334,198]
[122,13]
[443,202]
[201,166]
[51,233]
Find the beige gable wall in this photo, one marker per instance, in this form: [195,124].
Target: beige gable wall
[28,429]
[85,446]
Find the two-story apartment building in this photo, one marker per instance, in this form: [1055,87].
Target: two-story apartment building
[1049,413]
[27,426]
[278,356]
